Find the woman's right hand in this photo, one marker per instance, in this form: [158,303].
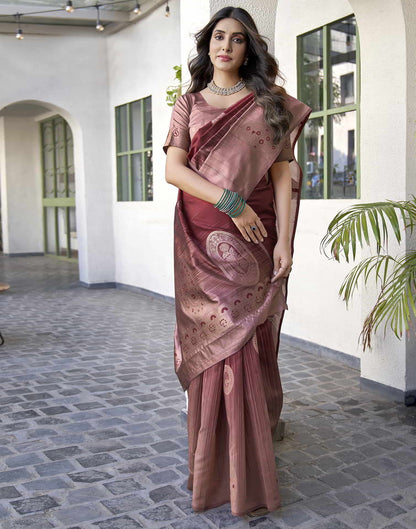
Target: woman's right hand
[246,221]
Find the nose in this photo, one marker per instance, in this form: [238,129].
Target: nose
[226,45]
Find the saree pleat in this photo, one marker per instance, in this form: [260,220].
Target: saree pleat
[231,407]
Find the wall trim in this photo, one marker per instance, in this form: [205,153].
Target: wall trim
[97,286]
[25,254]
[407,397]
[150,293]
[130,288]
[320,350]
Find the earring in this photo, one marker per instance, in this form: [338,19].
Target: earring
[245,61]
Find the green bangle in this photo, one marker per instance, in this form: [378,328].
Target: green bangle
[231,203]
[239,209]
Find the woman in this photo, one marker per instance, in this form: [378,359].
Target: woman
[228,149]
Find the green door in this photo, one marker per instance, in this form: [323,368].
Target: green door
[58,183]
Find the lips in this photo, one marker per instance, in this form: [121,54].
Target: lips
[224,57]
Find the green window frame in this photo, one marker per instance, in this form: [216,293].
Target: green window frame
[58,188]
[134,150]
[328,66]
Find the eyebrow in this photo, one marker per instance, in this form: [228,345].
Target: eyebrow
[236,33]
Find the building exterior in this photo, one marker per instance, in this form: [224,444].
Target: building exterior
[83,117]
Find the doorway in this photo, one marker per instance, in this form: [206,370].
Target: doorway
[58,188]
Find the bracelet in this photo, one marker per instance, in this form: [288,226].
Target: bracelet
[231,203]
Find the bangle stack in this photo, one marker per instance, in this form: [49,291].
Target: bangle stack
[231,203]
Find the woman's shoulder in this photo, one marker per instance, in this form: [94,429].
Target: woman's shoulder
[185,102]
[293,104]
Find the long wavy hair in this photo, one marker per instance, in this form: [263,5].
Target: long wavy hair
[259,74]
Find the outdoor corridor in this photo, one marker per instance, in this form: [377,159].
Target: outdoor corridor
[92,435]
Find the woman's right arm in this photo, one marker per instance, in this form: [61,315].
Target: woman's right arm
[180,175]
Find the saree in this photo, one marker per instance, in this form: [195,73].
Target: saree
[228,313]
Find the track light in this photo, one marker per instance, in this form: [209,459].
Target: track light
[69,8]
[19,32]
[98,26]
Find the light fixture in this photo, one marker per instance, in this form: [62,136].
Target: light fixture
[136,9]
[19,32]
[69,7]
[98,26]
[167,10]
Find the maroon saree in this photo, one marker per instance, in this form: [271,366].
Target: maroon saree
[228,312]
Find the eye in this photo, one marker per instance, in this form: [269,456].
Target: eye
[217,35]
[239,40]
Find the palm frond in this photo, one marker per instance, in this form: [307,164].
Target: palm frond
[352,225]
[395,304]
[364,269]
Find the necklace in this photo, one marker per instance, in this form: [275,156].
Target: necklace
[226,91]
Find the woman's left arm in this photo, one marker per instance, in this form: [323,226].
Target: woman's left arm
[282,186]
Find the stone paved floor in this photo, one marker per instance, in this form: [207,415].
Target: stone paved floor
[91,435]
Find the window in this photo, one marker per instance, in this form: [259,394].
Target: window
[328,81]
[134,150]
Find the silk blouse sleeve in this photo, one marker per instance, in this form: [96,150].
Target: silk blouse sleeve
[178,134]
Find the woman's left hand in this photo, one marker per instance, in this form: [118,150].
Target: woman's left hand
[282,259]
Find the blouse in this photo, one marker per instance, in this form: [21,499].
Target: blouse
[190,113]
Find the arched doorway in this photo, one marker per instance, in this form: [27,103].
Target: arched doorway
[37,181]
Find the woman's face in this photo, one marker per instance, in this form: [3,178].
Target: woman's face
[228,45]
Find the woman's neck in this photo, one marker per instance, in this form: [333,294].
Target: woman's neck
[225,80]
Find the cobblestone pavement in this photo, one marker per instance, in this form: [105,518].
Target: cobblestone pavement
[92,437]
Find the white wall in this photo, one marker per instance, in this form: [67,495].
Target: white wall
[140,62]
[68,74]
[21,193]
[318,314]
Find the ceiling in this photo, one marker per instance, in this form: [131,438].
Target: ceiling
[114,14]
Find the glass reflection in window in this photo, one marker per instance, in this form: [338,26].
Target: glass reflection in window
[343,62]
[343,177]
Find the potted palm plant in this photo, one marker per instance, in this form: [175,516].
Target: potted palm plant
[394,276]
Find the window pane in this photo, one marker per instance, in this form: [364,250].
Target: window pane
[137,176]
[148,121]
[123,177]
[149,175]
[49,172]
[70,162]
[50,242]
[121,128]
[312,70]
[313,172]
[73,232]
[344,169]
[62,232]
[136,126]
[47,133]
[343,62]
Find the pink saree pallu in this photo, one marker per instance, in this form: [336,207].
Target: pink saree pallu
[228,313]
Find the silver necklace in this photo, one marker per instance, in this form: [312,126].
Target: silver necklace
[226,91]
